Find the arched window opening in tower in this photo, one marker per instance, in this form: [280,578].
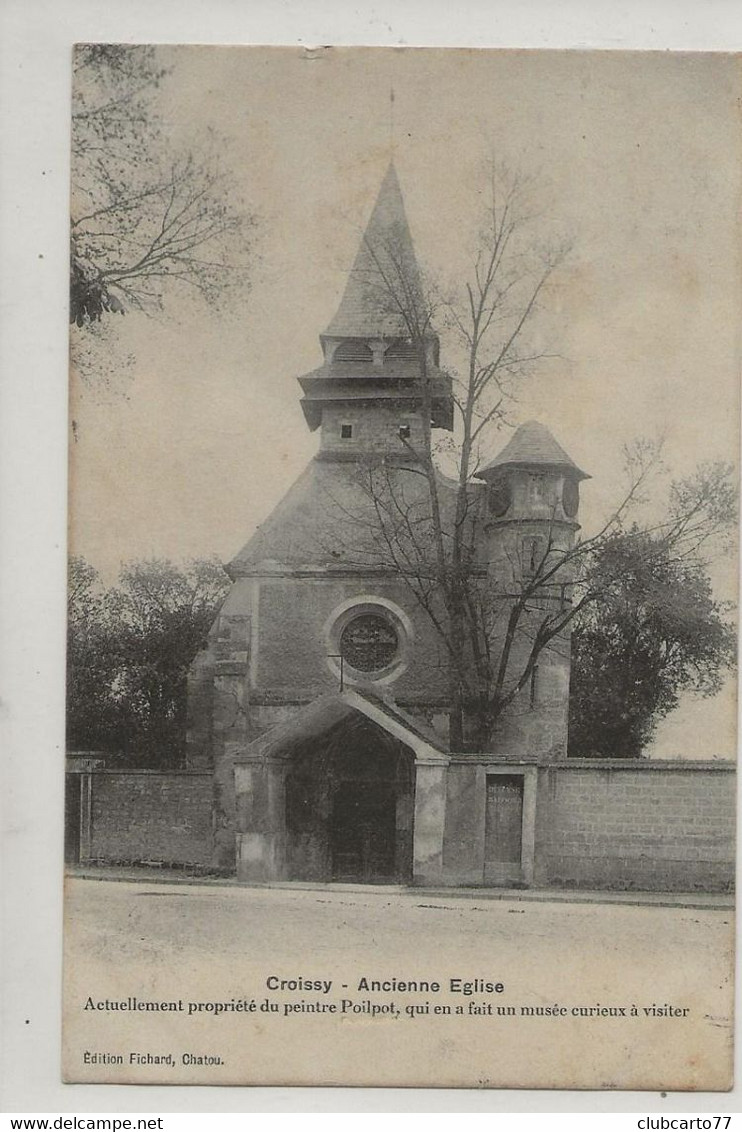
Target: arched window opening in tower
[537,487]
[570,497]
[533,553]
[534,686]
[499,497]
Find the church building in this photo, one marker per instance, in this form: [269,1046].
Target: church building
[322,702]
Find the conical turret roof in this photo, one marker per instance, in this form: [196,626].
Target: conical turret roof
[385,258]
[533,446]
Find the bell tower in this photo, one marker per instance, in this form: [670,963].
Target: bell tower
[366,396]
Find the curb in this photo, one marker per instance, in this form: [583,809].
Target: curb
[694,900]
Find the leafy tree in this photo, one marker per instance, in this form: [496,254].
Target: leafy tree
[130,648]
[652,632]
[92,660]
[146,218]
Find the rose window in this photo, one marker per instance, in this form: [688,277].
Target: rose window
[369,643]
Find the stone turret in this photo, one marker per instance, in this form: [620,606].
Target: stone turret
[530,507]
[533,479]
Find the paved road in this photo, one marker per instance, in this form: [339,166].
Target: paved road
[212,944]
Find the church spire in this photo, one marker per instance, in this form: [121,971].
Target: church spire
[385,259]
[366,395]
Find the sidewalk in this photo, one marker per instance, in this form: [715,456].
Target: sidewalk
[153,875]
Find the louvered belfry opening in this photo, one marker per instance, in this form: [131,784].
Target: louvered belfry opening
[353,350]
[401,349]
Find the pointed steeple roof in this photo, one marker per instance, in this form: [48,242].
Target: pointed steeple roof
[386,252]
[363,365]
[533,446]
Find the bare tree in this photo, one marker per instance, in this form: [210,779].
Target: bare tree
[430,537]
[495,621]
[146,218]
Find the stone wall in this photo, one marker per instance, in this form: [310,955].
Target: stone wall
[619,824]
[636,825]
[146,816]
[653,826]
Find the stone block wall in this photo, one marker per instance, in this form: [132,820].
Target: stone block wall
[535,723]
[636,825]
[463,840]
[147,816]
[371,430]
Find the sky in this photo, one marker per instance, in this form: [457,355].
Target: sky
[636,161]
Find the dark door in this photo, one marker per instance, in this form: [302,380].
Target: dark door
[363,830]
[503,829]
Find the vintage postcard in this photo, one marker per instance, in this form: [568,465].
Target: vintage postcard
[403,567]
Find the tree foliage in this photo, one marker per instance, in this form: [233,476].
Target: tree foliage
[147,217]
[129,650]
[653,631]
[91,660]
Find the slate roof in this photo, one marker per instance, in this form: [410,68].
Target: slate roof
[326,521]
[533,446]
[400,370]
[366,309]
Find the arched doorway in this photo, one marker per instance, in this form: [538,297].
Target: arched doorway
[350,806]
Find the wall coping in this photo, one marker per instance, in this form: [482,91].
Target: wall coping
[484,759]
[479,759]
[143,771]
[646,764]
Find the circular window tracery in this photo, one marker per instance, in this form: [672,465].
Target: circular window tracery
[369,642]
